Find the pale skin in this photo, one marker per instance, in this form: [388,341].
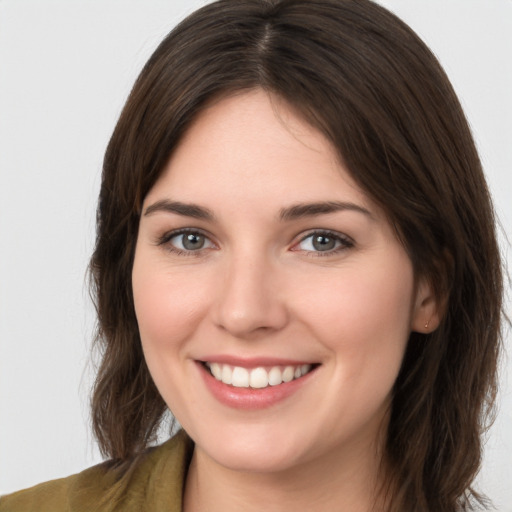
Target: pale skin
[292,260]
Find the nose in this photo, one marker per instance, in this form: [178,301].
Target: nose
[251,302]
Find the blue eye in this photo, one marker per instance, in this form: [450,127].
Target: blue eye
[323,242]
[186,241]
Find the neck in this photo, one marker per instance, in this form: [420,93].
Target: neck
[347,481]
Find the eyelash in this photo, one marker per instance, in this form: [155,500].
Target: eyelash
[165,240]
[343,241]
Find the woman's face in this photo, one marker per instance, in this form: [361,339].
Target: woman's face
[261,261]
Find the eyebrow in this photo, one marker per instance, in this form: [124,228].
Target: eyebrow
[321,208]
[296,211]
[185,209]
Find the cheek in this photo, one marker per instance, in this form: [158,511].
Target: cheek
[363,317]
[167,305]
[161,309]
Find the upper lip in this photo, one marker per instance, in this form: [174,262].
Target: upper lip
[253,362]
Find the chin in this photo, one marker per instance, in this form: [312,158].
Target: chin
[250,448]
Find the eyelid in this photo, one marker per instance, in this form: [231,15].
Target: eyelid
[346,242]
[164,240]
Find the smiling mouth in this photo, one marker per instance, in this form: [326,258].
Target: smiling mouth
[257,378]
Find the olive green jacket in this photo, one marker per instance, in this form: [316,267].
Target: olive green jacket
[155,483]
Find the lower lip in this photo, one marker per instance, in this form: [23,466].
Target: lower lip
[251,398]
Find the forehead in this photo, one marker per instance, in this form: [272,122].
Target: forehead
[255,144]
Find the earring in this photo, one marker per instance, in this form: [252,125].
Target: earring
[426,324]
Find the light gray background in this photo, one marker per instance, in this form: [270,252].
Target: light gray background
[66,68]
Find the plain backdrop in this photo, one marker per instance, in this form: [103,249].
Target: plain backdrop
[66,68]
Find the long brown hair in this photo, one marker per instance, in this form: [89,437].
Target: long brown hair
[371,86]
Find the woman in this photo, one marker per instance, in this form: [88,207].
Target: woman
[296,255]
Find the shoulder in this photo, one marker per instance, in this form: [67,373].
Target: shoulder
[154,480]
[55,495]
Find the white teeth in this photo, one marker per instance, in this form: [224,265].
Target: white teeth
[240,377]
[257,377]
[227,374]
[288,374]
[216,370]
[275,376]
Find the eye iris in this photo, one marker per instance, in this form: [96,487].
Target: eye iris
[193,241]
[323,243]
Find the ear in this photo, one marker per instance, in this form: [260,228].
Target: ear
[427,309]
